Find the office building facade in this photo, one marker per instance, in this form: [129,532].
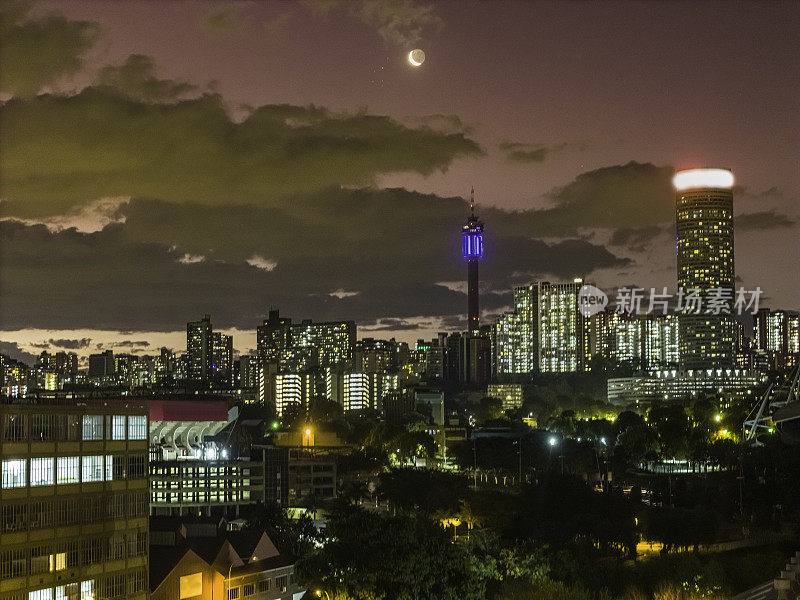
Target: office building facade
[74,500]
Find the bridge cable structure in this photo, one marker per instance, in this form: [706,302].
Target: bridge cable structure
[761,416]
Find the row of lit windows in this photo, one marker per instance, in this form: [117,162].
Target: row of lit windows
[19,427]
[263,585]
[71,510]
[114,586]
[71,469]
[203,497]
[91,550]
[74,591]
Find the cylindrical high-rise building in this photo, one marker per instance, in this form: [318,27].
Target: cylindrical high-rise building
[704,220]
[472,251]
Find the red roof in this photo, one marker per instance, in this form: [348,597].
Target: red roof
[187,410]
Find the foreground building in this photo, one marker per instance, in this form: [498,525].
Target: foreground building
[191,471]
[204,560]
[74,502]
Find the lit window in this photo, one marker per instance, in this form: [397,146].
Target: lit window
[191,585]
[45,594]
[118,427]
[68,470]
[137,427]
[14,473]
[92,427]
[42,471]
[92,469]
[87,590]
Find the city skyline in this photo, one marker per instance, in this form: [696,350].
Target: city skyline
[366,231]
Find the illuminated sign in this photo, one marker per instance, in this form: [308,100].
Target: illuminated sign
[472,244]
[703,178]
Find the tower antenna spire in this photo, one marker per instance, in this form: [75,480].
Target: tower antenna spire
[472,200]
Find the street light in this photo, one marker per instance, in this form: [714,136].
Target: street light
[320,592]
[552,441]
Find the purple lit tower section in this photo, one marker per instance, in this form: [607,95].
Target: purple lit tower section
[472,251]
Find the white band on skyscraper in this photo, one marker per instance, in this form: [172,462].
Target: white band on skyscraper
[703,178]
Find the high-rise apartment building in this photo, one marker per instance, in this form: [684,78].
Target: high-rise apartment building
[776,339]
[661,342]
[563,342]
[515,339]
[307,345]
[199,348]
[222,357]
[288,391]
[776,331]
[101,365]
[545,332]
[248,372]
[74,500]
[704,222]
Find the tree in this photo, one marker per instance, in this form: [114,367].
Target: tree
[489,409]
[672,427]
[295,537]
[409,489]
[638,441]
[371,556]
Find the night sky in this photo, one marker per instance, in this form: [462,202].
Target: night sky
[162,160]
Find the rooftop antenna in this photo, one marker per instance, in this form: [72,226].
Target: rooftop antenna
[472,201]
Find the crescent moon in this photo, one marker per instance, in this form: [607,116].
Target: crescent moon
[411,59]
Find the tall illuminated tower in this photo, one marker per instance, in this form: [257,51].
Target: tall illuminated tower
[704,220]
[472,251]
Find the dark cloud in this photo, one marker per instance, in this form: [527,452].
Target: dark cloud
[765,219]
[524,153]
[131,344]
[621,196]
[136,79]
[389,246]
[13,351]
[520,152]
[70,344]
[391,325]
[39,52]
[634,238]
[60,152]
[447,124]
